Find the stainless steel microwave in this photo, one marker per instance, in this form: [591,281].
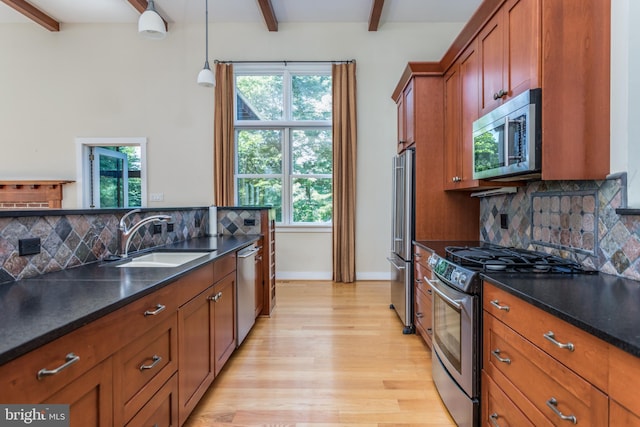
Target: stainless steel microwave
[507,141]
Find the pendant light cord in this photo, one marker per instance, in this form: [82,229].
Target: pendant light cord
[206,32]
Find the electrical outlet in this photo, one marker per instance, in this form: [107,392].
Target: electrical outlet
[504,221]
[156,197]
[157,228]
[249,222]
[29,246]
[197,223]
[169,227]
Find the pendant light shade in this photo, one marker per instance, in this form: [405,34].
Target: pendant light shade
[205,76]
[150,24]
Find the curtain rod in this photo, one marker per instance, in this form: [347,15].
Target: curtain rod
[285,62]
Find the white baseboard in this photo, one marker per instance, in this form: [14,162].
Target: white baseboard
[327,275]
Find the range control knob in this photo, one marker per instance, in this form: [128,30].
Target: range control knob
[462,278]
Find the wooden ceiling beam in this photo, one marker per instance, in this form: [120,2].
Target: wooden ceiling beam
[269,16]
[33,13]
[376,12]
[141,6]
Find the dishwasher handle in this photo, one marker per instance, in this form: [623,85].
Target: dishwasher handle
[247,252]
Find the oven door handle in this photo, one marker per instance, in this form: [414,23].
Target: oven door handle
[447,298]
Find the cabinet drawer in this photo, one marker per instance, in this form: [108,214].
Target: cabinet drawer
[424,311]
[421,279]
[224,266]
[194,283]
[143,366]
[590,356]
[421,255]
[162,409]
[540,378]
[624,376]
[498,409]
[80,350]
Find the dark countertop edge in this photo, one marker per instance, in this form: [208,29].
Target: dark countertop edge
[627,211]
[61,212]
[586,327]
[54,334]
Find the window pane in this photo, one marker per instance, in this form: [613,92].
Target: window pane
[111,182]
[261,192]
[311,97]
[259,97]
[312,200]
[259,151]
[311,151]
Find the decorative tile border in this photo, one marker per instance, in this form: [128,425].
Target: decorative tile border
[616,238]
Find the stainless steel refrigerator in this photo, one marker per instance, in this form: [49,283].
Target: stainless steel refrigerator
[402,234]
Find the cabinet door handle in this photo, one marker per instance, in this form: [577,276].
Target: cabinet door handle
[496,304]
[551,337]
[156,359]
[158,309]
[216,297]
[70,359]
[419,315]
[429,291]
[496,354]
[553,405]
[493,419]
[501,94]
[429,331]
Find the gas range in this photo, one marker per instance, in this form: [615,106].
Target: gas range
[462,266]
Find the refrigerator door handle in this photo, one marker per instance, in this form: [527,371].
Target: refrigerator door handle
[398,267]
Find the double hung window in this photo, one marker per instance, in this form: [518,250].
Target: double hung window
[283,140]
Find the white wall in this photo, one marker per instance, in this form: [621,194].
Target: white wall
[625,93]
[105,81]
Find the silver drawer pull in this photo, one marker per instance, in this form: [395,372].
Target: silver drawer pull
[498,306]
[418,281]
[551,337]
[159,308]
[429,291]
[419,315]
[70,359]
[553,405]
[156,359]
[493,418]
[496,354]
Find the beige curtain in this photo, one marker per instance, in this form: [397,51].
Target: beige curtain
[223,136]
[344,172]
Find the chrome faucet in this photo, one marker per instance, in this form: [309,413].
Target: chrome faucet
[125,233]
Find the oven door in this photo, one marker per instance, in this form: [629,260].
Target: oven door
[455,334]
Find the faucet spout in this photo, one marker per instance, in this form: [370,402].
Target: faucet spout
[126,233]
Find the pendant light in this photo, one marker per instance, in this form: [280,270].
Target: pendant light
[205,76]
[151,24]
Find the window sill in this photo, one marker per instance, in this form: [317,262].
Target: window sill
[304,228]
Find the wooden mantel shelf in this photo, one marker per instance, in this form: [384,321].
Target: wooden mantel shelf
[39,194]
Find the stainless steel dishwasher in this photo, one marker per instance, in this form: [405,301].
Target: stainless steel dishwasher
[246,301]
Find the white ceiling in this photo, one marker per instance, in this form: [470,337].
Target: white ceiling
[246,11]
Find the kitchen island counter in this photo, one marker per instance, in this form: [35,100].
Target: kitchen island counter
[36,311]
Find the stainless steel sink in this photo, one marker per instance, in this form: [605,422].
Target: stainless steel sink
[163,259]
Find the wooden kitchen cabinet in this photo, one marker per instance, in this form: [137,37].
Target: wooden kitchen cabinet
[509,52]
[624,377]
[456,215]
[162,408]
[406,118]
[206,334]
[423,295]
[260,282]
[268,230]
[570,375]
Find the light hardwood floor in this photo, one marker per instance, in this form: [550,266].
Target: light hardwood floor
[330,355]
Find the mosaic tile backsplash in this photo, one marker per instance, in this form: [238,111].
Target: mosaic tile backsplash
[71,240]
[572,219]
[232,221]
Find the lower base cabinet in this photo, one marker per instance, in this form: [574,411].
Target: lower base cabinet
[162,409]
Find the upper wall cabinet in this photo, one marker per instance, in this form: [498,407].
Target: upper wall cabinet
[406,117]
[509,47]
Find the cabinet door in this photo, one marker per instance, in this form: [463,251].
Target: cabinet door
[492,63]
[469,93]
[401,123]
[522,48]
[409,114]
[89,397]
[224,313]
[195,345]
[260,282]
[451,127]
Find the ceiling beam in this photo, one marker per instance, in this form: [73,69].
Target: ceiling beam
[33,13]
[269,16]
[141,6]
[376,12]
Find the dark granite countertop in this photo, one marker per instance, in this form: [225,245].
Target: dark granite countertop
[603,305]
[36,311]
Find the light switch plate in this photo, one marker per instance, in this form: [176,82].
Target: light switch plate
[156,197]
